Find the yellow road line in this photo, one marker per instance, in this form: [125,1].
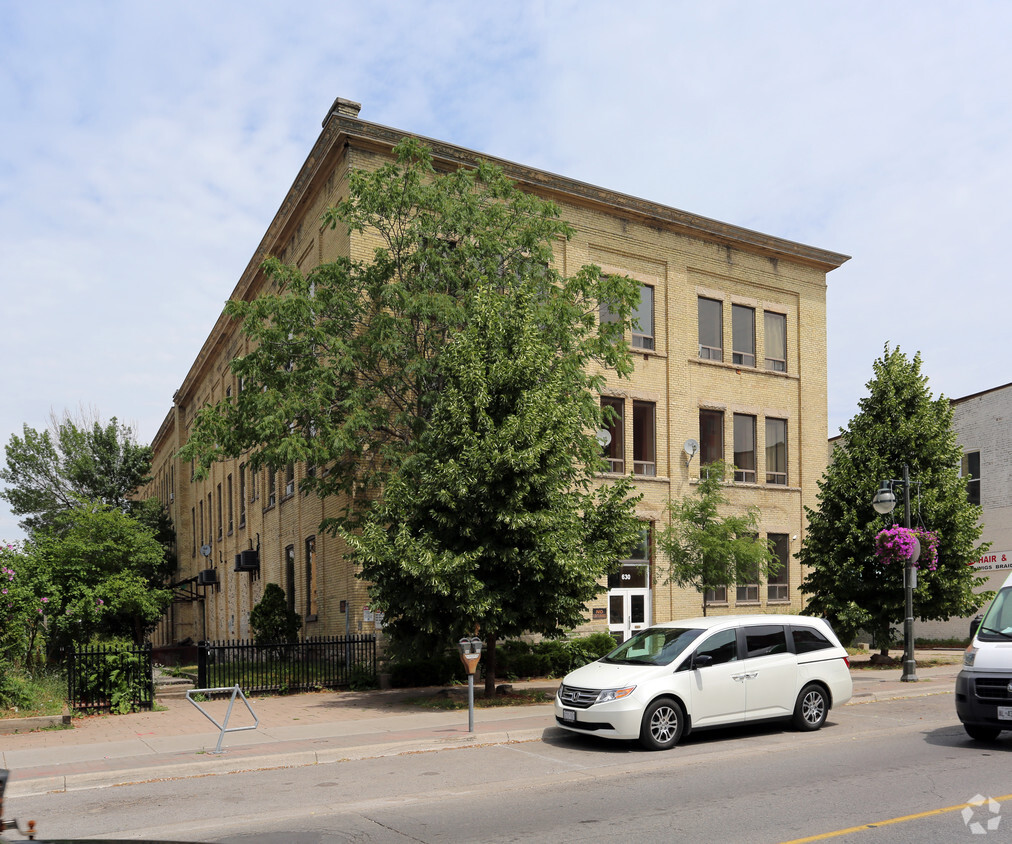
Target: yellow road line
[874,824]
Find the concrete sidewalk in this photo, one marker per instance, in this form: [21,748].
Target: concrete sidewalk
[308,729]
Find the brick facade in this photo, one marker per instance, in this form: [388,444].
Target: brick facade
[680,256]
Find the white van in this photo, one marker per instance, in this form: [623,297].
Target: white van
[708,672]
[984,686]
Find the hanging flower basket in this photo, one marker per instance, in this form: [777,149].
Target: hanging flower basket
[897,544]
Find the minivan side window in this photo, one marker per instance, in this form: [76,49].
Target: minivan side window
[808,639]
[765,639]
[722,646]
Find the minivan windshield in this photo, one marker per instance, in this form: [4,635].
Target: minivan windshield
[996,625]
[654,646]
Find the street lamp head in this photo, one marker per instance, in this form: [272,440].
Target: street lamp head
[884,500]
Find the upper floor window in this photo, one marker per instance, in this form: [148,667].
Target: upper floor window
[970,469]
[289,479]
[744,448]
[613,426]
[644,438]
[643,319]
[711,333]
[242,495]
[776,451]
[711,436]
[775,330]
[742,335]
[748,591]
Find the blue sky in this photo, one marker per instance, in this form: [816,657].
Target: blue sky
[145,149]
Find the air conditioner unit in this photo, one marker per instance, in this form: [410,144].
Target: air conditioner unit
[207,577]
[248,560]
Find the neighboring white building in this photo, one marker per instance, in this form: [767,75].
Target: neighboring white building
[983,425]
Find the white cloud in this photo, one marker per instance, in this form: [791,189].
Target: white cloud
[146,148]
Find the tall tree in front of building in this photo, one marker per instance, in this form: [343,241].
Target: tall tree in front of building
[708,551]
[73,461]
[898,423]
[360,370]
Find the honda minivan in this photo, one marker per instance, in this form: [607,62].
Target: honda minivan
[706,672]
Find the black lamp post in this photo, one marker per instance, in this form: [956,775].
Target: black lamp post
[884,502]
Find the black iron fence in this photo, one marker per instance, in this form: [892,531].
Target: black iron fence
[319,662]
[109,678]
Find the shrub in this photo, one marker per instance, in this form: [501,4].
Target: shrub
[272,620]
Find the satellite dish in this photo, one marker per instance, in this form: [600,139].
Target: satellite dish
[604,437]
[205,550]
[691,447]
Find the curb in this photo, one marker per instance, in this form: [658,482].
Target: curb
[13,726]
[217,765]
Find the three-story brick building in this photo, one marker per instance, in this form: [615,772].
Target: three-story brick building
[730,364]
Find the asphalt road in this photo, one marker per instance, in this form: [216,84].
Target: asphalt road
[899,770]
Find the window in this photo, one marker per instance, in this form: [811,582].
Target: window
[970,469]
[715,596]
[643,319]
[776,451]
[242,495]
[290,577]
[775,329]
[711,436]
[744,448]
[721,647]
[634,572]
[289,479]
[605,314]
[644,440]
[229,497]
[193,531]
[808,639]
[202,534]
[210,522]
[312,604]
[272,487]
[742,335]
[778,585]
[748,592]
[765,639]
[711,341]
[614,424]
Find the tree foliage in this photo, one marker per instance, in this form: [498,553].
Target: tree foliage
[272,620]
[100,574]
[708,551]
[457,372]
[898,422]
[74,461]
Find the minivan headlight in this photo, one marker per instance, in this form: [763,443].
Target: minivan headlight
[607,695]
[969,655]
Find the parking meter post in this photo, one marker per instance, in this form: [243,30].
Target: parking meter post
[470,654]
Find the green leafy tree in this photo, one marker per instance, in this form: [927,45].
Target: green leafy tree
[74,461]
[21,610]
[100,574]
[706,550]
[898,422]
[489,526]
[272,620]
[363,368]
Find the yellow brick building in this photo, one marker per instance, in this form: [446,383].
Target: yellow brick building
[730,363]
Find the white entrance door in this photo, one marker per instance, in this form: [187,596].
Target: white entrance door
[628,611]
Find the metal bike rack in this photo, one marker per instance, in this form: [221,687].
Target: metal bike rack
[223,726]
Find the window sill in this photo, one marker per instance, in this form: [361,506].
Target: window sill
[737,367]
[745,485]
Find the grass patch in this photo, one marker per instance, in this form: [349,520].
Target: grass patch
[45,693]
[457,699]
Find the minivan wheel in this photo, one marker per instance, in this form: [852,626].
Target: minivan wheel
[811,709]
[663,722]
[980,732]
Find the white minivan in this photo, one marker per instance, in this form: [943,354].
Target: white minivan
[708,672]
[984,685]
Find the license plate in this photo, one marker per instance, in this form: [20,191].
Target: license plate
[1005,713]
[569,715]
